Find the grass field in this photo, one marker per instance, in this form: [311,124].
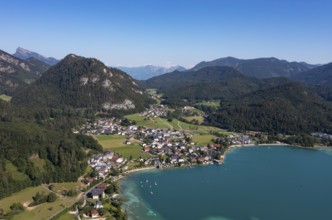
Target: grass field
[67,216]
[203,139]
[10,168]
[215,104]
[58,187]
[148,122]
[174,124]
[116,143]
[133,150]
[110,141]
[5,97]
[200,119]
[21,196]
[46,210]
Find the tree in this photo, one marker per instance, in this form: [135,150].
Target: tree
[110,189]
[51,197]
[16,207]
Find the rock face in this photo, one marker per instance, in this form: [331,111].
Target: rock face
[84,83]
[25,54]
[15,73]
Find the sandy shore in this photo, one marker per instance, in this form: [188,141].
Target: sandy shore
[252,145]
[139,169]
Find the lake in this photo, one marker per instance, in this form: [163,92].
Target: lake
[254,183]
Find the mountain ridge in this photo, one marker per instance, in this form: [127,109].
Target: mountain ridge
[25,54]
[215,82]
[81,82]
[15,73]
[259,67]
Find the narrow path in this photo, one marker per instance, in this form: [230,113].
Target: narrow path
[179,125]
[45,187]
[166,123]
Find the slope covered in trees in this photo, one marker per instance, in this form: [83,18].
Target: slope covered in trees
[289,109]
[34,151]
[78,82]
[37,144]
[209,83]
[319,76]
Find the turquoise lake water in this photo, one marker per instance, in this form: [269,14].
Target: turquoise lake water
[254,183]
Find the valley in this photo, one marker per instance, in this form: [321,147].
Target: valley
[98,124]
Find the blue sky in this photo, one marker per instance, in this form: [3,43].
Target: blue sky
[164,32]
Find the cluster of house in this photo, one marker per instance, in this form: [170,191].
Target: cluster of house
[155,111]
[98,194]
[240,139]
[103,163]
[102,126]
[323,136]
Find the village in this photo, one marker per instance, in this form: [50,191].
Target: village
[168,148]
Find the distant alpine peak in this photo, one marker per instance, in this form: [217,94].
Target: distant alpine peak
[25,54]
[22,50]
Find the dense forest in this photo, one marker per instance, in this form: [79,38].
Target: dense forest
[286,109]
[319,76]
[35,151]
[209,83]
[78,82]
[37,143]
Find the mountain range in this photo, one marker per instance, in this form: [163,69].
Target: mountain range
[15,73]
[260,67]
[148,71]
[25,54]
[209,83]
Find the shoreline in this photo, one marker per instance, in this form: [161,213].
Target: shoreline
[229,148]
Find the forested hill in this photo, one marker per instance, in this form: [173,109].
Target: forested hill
[260,67]
[78,82]
[319,76]
[289,109]
[209,83]
[34,152]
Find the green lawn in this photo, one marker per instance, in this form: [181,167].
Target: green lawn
[116,143]
[133,150]
[110,141]
[203,139]
[148,122]
[5,97]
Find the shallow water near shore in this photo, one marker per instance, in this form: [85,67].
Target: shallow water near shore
[254,183]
